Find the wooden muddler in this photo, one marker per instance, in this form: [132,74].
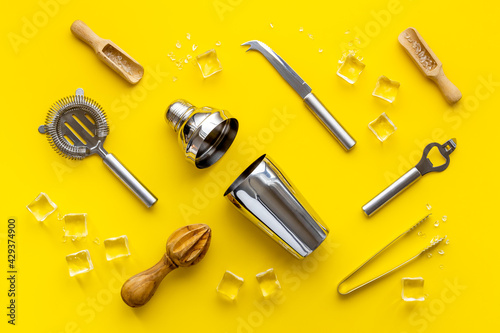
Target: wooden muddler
[185,247]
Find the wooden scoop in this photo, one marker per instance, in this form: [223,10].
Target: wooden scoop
[110,53]
[185,247]
[428,63]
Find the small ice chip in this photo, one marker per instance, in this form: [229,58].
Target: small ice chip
[412,289]
[382,127]
[209,63]
[268,282]
[229,286]
[41,207]
[116,247]
[75,225]
[79,262]
[351,69]
[386,89]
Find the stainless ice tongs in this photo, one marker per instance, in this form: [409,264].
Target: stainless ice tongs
[434,242]
[422,168]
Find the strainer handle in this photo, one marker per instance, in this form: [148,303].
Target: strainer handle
[129,180]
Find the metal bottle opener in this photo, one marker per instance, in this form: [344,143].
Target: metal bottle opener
[423,167]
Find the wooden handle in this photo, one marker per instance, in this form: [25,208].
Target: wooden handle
[82,31]
[185,248]
[451,93]
[139,289]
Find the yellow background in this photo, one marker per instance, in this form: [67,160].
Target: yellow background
[50,63]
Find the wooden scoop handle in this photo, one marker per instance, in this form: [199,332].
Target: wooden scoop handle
[449,90]
[139,289]
[83,32]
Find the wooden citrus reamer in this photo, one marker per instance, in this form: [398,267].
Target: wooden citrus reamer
[435,72]
[109,53]
[185,247]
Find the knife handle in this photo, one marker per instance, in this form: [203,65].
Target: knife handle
[326,118]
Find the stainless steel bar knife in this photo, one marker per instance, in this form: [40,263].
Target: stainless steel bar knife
[303,89]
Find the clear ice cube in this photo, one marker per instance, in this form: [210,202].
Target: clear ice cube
[209,63]
[382,127]
[412,289]
[41,207]
[116,247]
[268,282]
[75,225]
[351,69]
[79,262]
[229,285]
[386,89]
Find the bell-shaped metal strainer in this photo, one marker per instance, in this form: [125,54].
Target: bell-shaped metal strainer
[76,127]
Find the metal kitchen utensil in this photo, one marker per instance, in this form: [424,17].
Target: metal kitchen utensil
[423,167]
[205,134]
[435,241]
[303,89]
[76,127]
[267,198]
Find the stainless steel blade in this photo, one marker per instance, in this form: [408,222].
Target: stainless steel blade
[282,67]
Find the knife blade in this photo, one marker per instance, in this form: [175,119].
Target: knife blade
[304,91]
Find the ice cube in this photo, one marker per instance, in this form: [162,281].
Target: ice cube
[382,127]
[75,225]
[412,289]
[351,69]
[209,63]
[229,286]
[268,282]
[79,262]
[41,207]
[116,247]
[386,89]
